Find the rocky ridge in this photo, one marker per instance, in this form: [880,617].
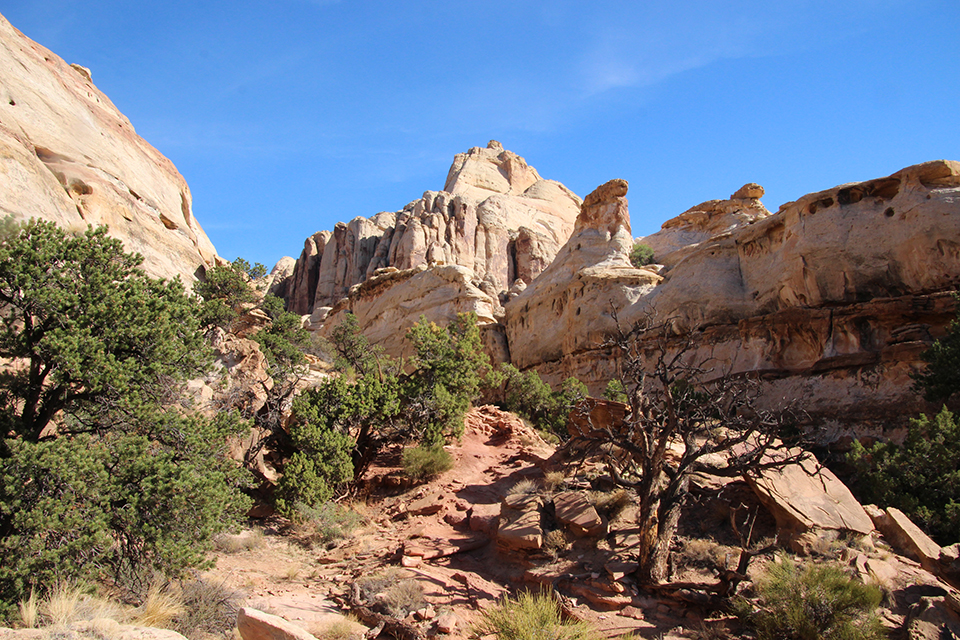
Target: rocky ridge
[832,299]
[68,155]
[495,225]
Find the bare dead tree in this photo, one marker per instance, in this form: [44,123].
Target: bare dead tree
[685,415]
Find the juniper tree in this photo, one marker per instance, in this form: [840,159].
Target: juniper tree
[103,472]
[682,411]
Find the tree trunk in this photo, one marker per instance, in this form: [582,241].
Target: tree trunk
[658,526]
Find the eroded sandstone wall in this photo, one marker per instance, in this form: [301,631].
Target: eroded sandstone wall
[832,299]
[496,217]
[68,155]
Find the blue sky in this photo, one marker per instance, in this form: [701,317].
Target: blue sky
[288,116]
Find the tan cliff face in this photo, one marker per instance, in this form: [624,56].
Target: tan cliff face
[496,225]
[68,155]
[496,217]
[832,299]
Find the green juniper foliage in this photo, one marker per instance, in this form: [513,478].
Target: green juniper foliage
[345,421]
[101,473]
[529,396]
[921,477]
[226,291]
[641,255]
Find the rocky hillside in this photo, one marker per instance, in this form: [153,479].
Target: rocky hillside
[495,225]
[832,299]
[68,155]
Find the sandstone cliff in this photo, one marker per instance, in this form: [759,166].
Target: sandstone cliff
[495,217]
[68,155]
[831,299]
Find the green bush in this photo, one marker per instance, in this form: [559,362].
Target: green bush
[641,255]
[616,392]
[817,601]
[921,477]
[349,418]
[425,462]
[124,485]
[532,616]
[226,290]
[527,395]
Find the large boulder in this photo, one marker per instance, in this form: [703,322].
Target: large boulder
[253,624]
[807,500]
[68,155]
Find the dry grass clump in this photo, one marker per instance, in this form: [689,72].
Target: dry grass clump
[523,487]
[397,594]
[703,553]
[553,480]
[610,503]
[65,604]
[325,525]
[555,542]
[195,609]
[30,610]
[209,608]
[346,628]
[532,616]
[235,543]
[162,605]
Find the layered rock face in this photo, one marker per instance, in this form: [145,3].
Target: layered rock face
[706,220]
[68,155]
[832,299]
[496,217]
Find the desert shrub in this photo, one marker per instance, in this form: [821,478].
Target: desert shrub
[615,391]
[641,255]
[323,456]
[425,462]
[920,477]
[449,366]
[527,395]
[226,289]
[396,594]
[209,608]
[126,484]
[532,616]
[324,525]
[940,379]
[812,602]
[346,420]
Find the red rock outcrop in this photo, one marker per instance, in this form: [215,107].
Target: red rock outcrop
[68,155]
[832,299]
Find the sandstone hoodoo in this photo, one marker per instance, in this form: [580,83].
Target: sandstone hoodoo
[68,155]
